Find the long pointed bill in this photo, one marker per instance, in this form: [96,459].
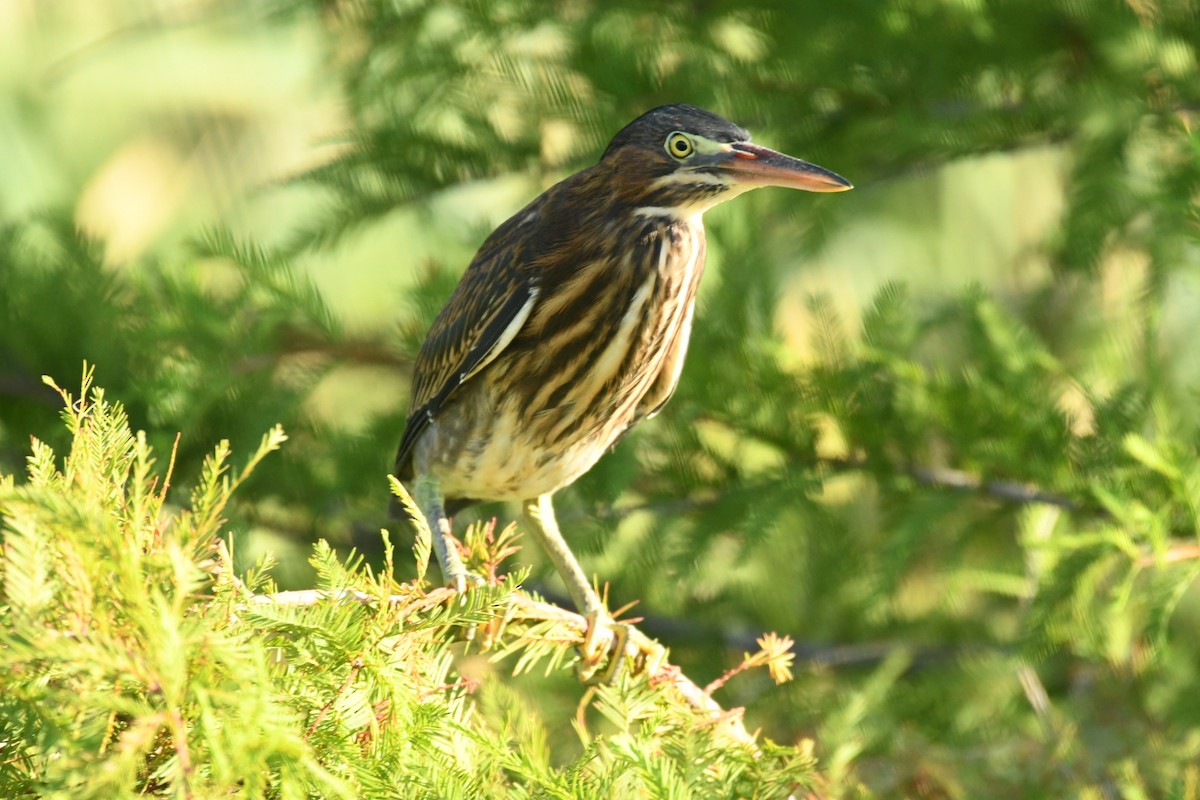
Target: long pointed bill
[752,165]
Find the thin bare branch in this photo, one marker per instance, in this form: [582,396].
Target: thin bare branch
[669,678]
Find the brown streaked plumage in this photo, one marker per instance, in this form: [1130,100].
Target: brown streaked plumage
[571,324]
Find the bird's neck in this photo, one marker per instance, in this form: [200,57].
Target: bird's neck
[687,200]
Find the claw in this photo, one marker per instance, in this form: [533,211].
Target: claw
[592,655]
[649,658]
[460,581]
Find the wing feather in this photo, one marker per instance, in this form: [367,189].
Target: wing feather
[489,306]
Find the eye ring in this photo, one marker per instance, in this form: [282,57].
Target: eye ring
[679,145]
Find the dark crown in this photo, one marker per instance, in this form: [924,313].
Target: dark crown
[651,128]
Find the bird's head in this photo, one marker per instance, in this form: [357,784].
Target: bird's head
[683,160]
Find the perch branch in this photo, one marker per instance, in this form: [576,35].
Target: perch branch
[726,722]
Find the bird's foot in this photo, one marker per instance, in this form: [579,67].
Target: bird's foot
[649,655]
[460,581]
[609,647]
[602,653]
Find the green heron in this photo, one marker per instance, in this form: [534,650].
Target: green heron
[571,323]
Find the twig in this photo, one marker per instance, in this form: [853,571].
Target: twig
[525,608]
[1177,554]
[961,481]
[1012,491]
[179,733]
[934,477]
[815,654]
[356,666]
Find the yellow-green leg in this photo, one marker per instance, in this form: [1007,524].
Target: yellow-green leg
[432,504]
[540,512]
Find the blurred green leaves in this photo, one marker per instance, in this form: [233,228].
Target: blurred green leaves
[941,430]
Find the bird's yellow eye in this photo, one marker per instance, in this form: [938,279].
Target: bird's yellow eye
[679,145]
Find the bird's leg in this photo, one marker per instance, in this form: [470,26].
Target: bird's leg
[429,500]
[540,512]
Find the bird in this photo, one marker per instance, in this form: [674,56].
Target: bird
[570,326]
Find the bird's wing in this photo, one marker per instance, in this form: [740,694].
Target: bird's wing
[481,318]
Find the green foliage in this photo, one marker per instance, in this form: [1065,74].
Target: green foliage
[942,430]
[135,662]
